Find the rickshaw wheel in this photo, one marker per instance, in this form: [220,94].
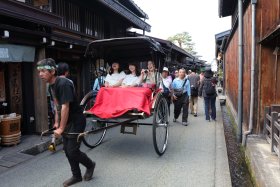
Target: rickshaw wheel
[160,125]
[92,140]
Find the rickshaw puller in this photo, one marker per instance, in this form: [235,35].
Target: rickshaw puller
[71,120]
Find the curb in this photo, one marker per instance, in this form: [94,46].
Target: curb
[222,172]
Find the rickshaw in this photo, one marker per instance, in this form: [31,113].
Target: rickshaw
[149,101]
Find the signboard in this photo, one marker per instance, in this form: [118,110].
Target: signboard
[15,87]
[16,53]
[4,53]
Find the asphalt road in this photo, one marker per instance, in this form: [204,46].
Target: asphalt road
[129,160]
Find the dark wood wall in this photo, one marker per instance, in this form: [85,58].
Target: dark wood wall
[268,16]
[232,72]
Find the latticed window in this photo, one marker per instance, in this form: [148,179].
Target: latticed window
[89,29]
[59,8]
[73,17]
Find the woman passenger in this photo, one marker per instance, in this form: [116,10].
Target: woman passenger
[150,76]
[115,76]
[132,79]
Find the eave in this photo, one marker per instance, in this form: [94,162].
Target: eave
[126,13]
[29,13]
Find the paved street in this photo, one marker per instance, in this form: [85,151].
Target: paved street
[196,156]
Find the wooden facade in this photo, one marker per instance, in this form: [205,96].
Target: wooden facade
[267,66]
[58,29]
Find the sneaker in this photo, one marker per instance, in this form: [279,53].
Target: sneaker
[89,173]
[195,115]
[71,181]
[185,123]
[174,120]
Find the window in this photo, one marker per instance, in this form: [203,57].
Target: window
[89,22]
[73,17]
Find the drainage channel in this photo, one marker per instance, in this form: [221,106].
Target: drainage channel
[239,171]
[39,148]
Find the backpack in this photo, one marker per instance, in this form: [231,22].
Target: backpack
[209,87]
[194,91]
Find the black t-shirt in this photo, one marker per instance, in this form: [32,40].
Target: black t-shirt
[63,91]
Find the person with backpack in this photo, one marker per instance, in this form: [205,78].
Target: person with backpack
[99,81]
[194,82]
[208,92]
[180,96]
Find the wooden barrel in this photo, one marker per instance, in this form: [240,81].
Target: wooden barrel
[11,139]
[10,130]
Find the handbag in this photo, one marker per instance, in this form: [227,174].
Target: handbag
[166,91]
[194,91]
[179,92]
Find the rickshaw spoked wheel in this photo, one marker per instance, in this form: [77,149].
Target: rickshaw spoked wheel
[160,125]
[92,140]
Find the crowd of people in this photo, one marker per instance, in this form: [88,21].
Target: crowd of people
[180,87]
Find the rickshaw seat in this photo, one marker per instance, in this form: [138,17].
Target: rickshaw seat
[115,102]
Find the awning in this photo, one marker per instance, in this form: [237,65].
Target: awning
[16,53]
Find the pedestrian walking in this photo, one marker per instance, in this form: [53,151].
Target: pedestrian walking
[176,74]
[194,83]
[208,92]
[63,69]
[165,85]
[71,120]
[201,76]
[99,80]
[181,92]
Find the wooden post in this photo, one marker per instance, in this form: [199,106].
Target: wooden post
[266,111]
[40,96]
[274,117]
[276,53]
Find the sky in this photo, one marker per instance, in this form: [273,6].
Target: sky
[199,18]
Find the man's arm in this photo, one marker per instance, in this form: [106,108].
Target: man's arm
[200,88]
[63,120]
[188,88]
[95,84]
[56,122]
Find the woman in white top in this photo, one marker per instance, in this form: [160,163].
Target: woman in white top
[132,79]
[115,76]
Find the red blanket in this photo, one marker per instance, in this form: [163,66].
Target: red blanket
[114,102]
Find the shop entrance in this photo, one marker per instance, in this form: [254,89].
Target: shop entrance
[16,93]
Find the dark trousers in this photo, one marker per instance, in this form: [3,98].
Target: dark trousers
[210,102]
[168,100]
[181,102]
[75,156]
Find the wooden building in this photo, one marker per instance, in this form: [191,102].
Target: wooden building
[31,30]
[221,40]
[267,66]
